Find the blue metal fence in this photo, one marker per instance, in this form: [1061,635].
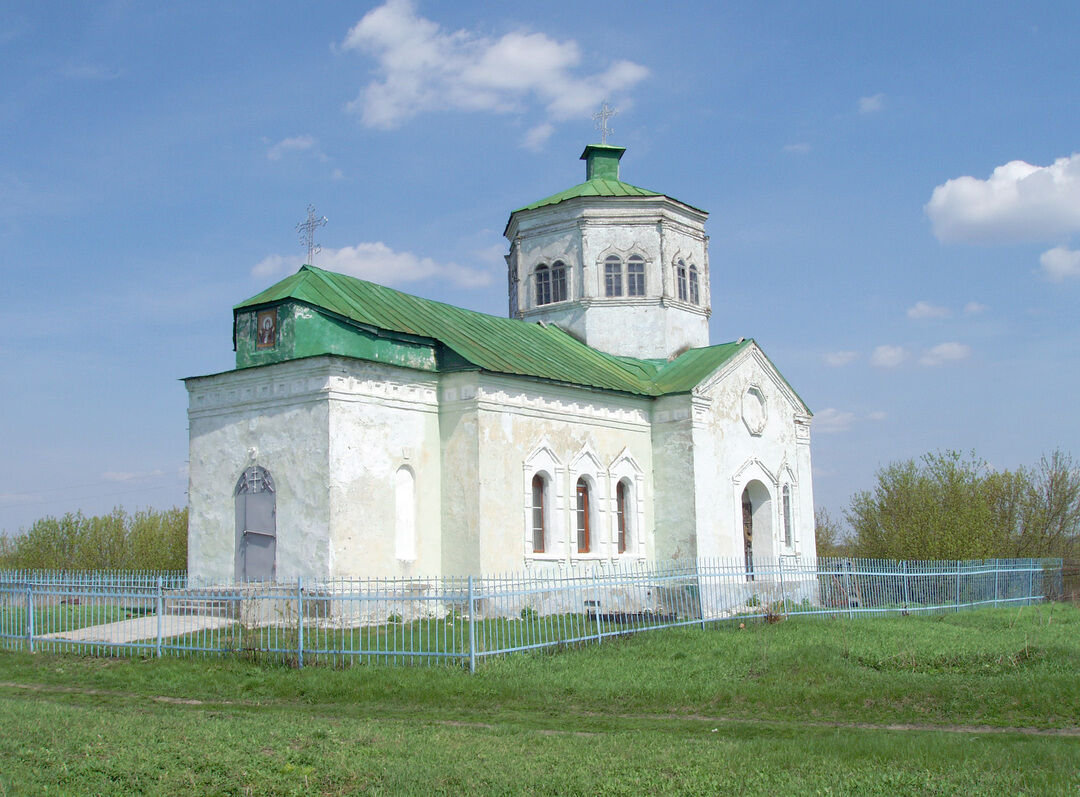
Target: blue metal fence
[465,619]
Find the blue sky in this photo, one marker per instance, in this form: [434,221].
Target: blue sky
[894,199]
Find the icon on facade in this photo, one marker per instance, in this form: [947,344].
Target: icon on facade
[266,323]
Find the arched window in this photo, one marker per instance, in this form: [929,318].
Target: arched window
[695,288]
[612,276]
[558,281]
[581,515]
[680,279]
[787,515]
[256,526]
[543,284]
[405,515]
[539,508]
[623,513]
[635,276]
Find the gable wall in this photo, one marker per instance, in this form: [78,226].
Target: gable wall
[727,457]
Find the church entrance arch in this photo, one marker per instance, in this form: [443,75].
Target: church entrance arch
[256,525]
[756,525]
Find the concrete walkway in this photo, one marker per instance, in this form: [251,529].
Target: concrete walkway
[140,628]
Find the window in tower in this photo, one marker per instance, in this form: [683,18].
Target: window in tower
[612,276]
[558,281]
[543,284]
[635,276]
[695,286]
[680,279]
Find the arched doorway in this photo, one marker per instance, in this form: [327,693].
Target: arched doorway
[756,525]
[256,525]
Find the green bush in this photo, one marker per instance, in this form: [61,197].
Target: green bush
[947,506]
[148,539]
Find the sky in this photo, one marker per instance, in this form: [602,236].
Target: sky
[893,188]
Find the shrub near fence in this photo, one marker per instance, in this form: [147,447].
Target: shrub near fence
[465,619]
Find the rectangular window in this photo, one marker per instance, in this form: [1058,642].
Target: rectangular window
[613,279]
[582,514]
[538,513]
[787,516]
[680,279]
[635,278]
[620,509]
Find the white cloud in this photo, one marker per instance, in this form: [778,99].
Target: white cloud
[287,145]
[1018,202]
[974,308]
[871,104]
[376,262]
[836,359]
[832,420]
[800,148]
[922,310]
[538,136]
[1060,263]
[337,174]
[945,353]
[888,356]
[877,415]
[425,68]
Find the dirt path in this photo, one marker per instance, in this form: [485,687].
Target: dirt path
[1073,732]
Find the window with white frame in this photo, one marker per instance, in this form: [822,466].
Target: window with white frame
[623,514]
[582,520]
[635,276]
[695,286]
[788,534]
[613,276]
[538,515]
[680,280]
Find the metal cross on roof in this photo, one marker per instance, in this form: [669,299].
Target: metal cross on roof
[601,117]
[307,233]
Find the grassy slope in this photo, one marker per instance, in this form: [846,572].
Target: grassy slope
[628,716]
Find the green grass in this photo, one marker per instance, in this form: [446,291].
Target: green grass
[798,706]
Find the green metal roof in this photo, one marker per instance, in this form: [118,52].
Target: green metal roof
[500,345]
[597,187]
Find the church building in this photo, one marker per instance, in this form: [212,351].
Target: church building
[368,432]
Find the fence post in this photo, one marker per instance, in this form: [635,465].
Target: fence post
[783,592]
[596,598]
[299,623]
[907,588]
[1031,582]
[160,616]
[957,607]
[700,597]
[847,582]
[472,628]
[997,576]
[30,616]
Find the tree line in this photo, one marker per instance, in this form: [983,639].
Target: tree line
[947,505]
[147,539]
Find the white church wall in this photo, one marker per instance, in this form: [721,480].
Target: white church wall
[598,436]
[275,417]
[460,468]
[383,423]
[674,479]
[748,428]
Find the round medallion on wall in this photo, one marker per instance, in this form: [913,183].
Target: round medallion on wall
[754,410]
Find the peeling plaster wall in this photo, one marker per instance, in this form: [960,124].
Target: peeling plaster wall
[675,478]
[458,435]
[516,416]
[382,419]
[728,456]
[275,417]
